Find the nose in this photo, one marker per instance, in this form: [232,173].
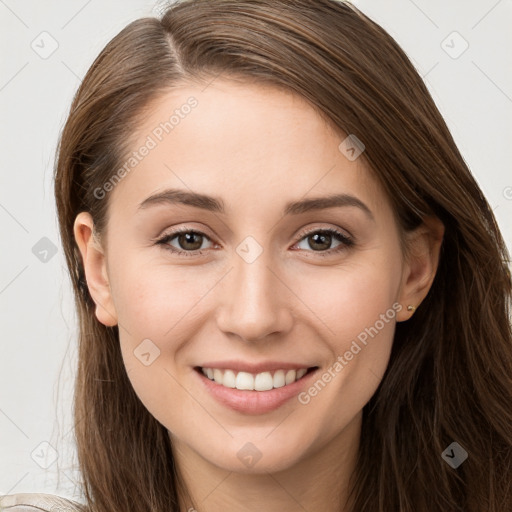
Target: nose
[255,302]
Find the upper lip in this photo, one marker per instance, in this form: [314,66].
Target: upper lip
[255,368]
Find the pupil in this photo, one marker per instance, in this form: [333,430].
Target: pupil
[188,239]
[323,236]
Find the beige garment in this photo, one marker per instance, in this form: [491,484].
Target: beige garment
[37,502]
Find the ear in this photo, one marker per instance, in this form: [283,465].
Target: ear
[421,263]
[94,263]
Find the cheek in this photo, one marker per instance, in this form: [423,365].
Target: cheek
[363,316]
[151,297]
[159,308]
[350,298]
[356,308]
[155,306]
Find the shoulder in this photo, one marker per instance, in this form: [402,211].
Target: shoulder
[37,502]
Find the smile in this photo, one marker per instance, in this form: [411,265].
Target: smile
[263,381]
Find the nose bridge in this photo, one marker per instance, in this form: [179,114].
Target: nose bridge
[252,306]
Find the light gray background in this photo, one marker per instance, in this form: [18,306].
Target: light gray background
[473,92]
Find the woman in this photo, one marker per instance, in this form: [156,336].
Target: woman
[292,293]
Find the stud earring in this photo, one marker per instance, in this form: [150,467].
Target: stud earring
[411,308]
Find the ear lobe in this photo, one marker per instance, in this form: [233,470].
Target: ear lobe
[94,263]
[422,261]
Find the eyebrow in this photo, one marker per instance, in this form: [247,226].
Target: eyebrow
[216,205]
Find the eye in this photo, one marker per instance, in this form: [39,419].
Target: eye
[190,242]
[321,239]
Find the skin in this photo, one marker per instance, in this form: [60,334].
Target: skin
[256,147]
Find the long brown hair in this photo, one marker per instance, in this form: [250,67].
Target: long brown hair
[449,378]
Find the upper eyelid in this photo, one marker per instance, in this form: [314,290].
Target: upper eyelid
[307,231]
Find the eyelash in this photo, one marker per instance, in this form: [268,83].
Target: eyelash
[346,241]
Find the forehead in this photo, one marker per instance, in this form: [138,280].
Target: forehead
[253,144]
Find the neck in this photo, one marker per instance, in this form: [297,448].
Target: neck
[318,481]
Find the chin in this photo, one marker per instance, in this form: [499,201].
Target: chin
[258,453]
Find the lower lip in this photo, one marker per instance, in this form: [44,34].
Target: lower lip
[254,402]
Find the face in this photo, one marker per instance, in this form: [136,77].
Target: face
[256,317]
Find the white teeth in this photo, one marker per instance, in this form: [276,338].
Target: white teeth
[244,380]
[291,375]
[229,379]
[301,373]
[218,376]
[263,381]
[279,381]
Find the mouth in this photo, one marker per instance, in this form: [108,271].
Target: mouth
[254,393]
[263,381]
[254,390]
